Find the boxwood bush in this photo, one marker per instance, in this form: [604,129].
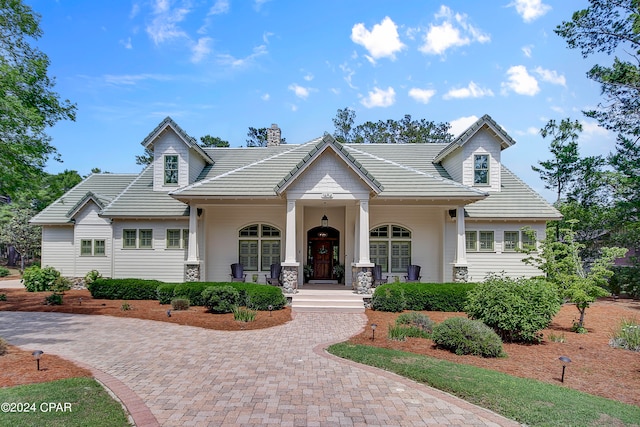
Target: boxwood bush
[4,272]
[465,336]
[220,299]
[129,289]
[421,296]
[260,297]
[165,292]
[517,309]
[389,298]
[191,291]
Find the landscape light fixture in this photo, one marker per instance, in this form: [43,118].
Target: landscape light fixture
[270,308]
[37,354]
[169,313]
[373,331]
[565,362]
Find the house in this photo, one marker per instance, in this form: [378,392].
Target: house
[453,209]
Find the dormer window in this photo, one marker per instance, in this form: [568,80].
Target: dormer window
[481,169]
[171,169]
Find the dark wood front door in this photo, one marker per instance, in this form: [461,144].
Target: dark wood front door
[322,253]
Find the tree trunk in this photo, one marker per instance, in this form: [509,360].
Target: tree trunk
[12,257]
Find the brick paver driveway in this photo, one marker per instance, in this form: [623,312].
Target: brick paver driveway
[279,376]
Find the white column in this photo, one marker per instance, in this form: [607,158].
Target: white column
[192,250]
[363,235]
[356,237]
[290,242]
[461,245]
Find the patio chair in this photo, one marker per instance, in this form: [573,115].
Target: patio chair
[237,273]
[377,276]
[413,273]
[274,275]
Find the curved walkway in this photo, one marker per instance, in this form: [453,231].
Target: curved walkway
[279,376]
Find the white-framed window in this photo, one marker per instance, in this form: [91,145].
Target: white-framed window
[94,247]
[146,238]
[529,240]
[259,246]
[390,247]
[86,247]
[177,238]
[99,247]
[171,169]
[486,241]
[133,238]
[471,239]
[481,169]
[130,238]
[511,241]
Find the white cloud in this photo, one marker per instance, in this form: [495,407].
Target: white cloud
[520,81]
[300,91]
[454,30]
[308,77]
[461,124]
[201,49]
[527,50]
[471,91]
[265,97]
[229,60]
[380,98]
[381,42]
[551,76]
[348,75]
[219,7]
[557,109]
[133,79]
[257,4]
[127,43]
[594,130]
[530,10]
[421,95]
[164,25]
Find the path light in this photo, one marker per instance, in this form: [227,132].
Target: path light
[169,313]
[270,308]
[565,362]
[373,331]
[80,299]
[37,354]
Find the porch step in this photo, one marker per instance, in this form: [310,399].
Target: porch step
[327,300]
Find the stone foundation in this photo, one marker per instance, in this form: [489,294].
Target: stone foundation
[289,279]
[460,274]
[363,279]
[192,273]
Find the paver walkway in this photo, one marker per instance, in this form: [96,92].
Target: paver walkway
[279,376]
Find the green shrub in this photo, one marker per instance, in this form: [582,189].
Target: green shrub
[129,289]
[91,277]
[517,309]
[625,280]
[220,299]
[627,336]
[191,291]
[3,297]
[417,320]
[436,296]
[180,304]
[244,314]
[61,285]
[38,279]
[260,297]
[397,333]
[388,298]
[125,306]
[4,347]
[465,336]
[4,272]
[53,299]
[165,292]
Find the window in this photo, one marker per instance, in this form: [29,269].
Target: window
[259,246]
[481,169]
[471,238]
[511,240]
[185,238]
[486,240]
[390,250]
[86,247]
[129,238]
[529,239]
[171,169]
[146,239]
[173,239]
[99,248]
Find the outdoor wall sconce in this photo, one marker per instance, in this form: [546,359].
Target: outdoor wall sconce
[565,362]
[325,221]
[37,354]
[373,331]
[270,309]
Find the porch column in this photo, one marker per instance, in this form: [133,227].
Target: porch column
[363,233]
[290,265]
[192,265]
[460,269]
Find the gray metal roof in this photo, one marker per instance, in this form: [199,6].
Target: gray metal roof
[104,187]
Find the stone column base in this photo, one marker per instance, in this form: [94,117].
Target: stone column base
[192,272]
[363,279]
[460,273]
[289,279]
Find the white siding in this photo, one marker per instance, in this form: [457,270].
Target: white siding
[57,248]
[89,226]
[156,263]
[453,164]
[196,164]
[482,143]
[169,143]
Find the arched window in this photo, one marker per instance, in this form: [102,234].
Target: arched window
[390,247]
[258,247]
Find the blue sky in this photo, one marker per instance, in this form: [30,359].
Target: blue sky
[218,67]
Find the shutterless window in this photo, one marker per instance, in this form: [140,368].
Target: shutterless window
[471,238]
[173,239]
[99,247]
[171,169]
[248,255]
[511,240]
[259,246]
[481,169]
[390,247]
[529,240]
[86,248]
[146,238]
[185,238]
[486,240]
[129,238]
[400,256]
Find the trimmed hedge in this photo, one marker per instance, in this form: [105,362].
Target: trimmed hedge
[127,289]
[165,292]
[421,296]
[192,291]
[221,299]
[255,296]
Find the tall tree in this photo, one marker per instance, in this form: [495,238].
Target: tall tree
[559,172]
[343,122]
[18,233]
[146,158]
[213,141]
[29,104]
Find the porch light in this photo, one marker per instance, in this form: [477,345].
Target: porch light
[37,354]
[325,221]
[565,362]
[373,331]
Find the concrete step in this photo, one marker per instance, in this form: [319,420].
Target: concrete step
[327,301]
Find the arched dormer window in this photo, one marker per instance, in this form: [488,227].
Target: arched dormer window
[259,247]
[390,247]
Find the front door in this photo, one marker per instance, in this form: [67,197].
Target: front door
[322,251]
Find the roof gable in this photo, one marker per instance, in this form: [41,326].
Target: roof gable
[483,122]
[101,202]
[169,123]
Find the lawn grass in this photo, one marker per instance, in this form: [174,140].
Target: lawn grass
[89,403]
[527,401]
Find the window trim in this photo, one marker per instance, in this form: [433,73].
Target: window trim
[84,247]
[92,247]
[165,169]
[516,245]
[493,241]
[125,239]
[473,233]
[260,234]
[488,169]
[388,235]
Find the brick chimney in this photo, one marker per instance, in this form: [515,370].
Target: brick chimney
[273,135]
